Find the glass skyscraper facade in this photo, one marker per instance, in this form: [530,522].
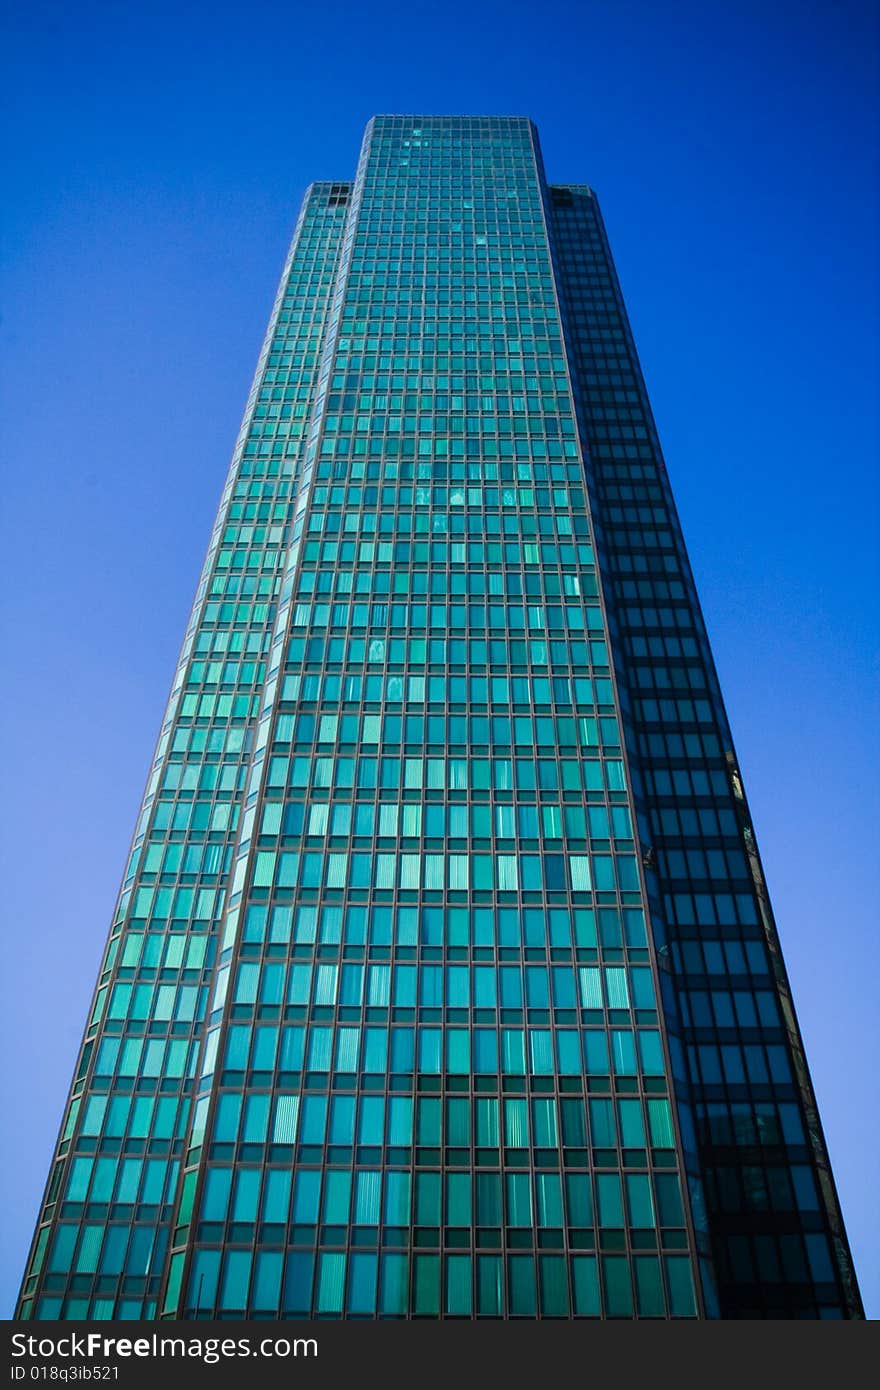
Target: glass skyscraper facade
[443,981]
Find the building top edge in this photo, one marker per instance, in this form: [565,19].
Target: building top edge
[450,116]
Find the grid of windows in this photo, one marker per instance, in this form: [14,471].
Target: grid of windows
[102,1240]
[441,971]
[439,984]
[777,1240]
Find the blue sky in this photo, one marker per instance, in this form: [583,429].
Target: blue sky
[155,160]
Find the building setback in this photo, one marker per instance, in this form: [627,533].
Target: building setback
[443,980]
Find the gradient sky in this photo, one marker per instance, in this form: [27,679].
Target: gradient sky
[156,158]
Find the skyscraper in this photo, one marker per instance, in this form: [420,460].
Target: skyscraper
[443,980]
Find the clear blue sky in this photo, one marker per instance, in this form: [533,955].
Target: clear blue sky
[156,158]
